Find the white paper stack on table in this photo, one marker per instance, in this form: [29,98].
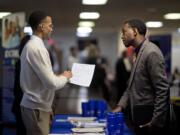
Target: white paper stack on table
[88,130]
[61,134]
[82,74]
[88,133]
[81,119]
[91,124]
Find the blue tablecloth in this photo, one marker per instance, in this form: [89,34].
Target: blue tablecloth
[64,127]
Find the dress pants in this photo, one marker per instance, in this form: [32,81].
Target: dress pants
[36,121]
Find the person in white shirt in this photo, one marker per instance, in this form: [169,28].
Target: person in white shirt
[37,78]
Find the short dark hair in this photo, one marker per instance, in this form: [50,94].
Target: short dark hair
[36,18]
[136,23]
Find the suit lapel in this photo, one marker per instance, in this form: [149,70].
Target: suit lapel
[136,63]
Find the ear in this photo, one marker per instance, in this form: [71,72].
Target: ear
[41,26]
[135,31]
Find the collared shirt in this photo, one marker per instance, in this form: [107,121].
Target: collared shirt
[136,51]
[139,47]
[37,78]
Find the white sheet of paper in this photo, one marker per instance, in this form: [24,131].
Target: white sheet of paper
[82,74]
[88,130]
[61,134]
[81,119]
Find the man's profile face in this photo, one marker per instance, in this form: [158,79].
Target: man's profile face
[47,27]
[128,35]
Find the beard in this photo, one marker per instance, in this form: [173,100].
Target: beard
[128,43]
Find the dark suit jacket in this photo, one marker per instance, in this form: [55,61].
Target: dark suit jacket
[148,89]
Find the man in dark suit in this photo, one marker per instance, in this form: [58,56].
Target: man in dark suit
[147,94]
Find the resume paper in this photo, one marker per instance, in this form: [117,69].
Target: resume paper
[82,74]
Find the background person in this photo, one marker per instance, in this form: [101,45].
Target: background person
[123,68]
[17,91]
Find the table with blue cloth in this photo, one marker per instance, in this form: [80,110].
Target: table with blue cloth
[60,125]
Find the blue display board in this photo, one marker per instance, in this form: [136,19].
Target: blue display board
[1,57]
[7,67]
[164,43]
[12,26]
[7,94]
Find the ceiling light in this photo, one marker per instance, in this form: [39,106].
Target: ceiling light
[86,24]
[82,34]
[3,14]
[172,16]
[154,24]
[94,2]
[84,29]
[89,15]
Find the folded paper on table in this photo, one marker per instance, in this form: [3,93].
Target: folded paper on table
[60,134]
[87,130]
[80,119]
[93,124]
[88,133]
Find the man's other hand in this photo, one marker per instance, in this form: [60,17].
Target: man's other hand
[118,109]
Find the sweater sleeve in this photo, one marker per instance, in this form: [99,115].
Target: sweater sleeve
[40,62]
